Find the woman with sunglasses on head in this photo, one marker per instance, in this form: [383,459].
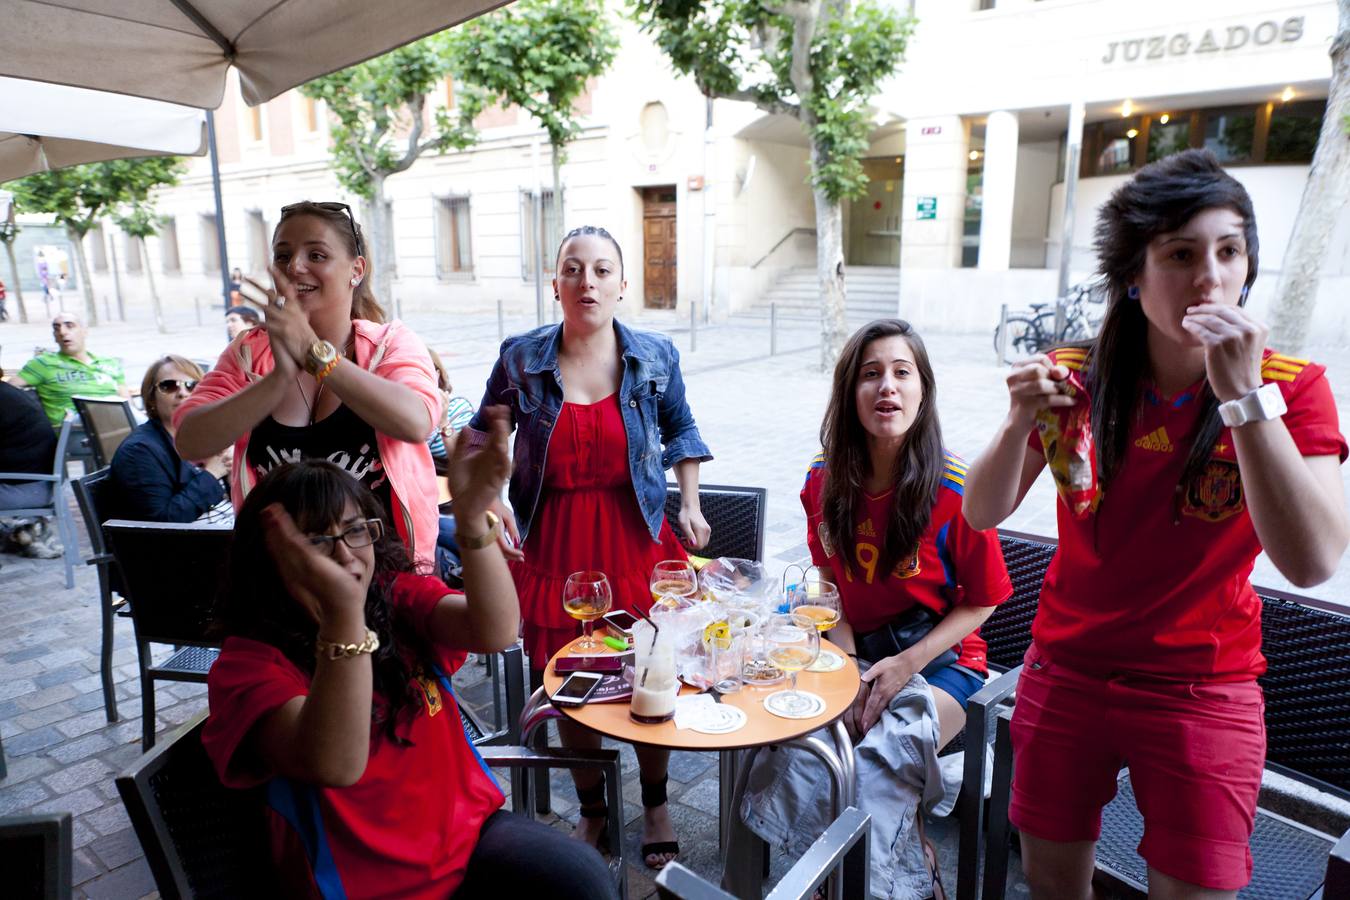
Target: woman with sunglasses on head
[595,402]
[325,377]
[150,480]
[1181,447]
[332,694]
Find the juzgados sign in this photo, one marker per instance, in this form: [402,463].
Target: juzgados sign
[1212,40]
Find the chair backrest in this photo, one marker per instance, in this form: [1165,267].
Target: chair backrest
[1008,630]
[35,856]
[108,421]
[201,839]
[62,446]
[171,573]
[736,516]
[94,494]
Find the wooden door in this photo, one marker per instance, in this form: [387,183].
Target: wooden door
[659,274]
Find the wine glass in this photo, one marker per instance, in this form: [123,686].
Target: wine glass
[673,583]
[794,643]
[587,597]
[819,602]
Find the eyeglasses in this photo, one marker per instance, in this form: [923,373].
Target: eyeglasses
[362,534]
[331,206]
[171,385]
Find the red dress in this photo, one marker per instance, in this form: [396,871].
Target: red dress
[588,518]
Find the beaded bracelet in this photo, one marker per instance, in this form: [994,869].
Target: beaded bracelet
[335,651]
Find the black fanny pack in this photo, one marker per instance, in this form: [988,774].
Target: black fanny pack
[899,635]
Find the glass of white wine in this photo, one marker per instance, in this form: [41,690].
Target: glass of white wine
[673,583]
[587,597]
[794,643]
[819,602]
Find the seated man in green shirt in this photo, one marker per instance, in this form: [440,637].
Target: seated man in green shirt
[71,372]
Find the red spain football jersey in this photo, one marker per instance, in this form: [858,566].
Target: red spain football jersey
[407,827]
[953,564]
[1148,583]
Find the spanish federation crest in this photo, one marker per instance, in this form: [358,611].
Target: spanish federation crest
[1217,494]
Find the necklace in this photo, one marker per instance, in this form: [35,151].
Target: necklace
[311,408]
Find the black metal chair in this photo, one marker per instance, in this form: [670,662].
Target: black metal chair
[845,846]
[93,493]
[735,514]
[108,421]
[204,840]
[55,504]
[171,573]
[35,856]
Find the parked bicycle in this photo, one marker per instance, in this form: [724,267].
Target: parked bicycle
[1032,331]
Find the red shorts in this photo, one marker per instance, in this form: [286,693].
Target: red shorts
[1195,751]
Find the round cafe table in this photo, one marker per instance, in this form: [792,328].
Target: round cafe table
[742,873]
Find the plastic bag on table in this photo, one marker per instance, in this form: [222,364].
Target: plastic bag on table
[736,582]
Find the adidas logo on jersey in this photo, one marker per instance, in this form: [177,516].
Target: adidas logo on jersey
[1156,440]
[866,529]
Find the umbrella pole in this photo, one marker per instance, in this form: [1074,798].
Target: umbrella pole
[220,209]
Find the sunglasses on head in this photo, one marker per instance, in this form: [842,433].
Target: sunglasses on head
[331,206]
[171,385]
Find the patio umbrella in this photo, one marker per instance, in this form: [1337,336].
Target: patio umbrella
[48,126]
[180,50]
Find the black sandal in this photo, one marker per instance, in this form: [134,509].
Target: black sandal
[594,806]
[654,795]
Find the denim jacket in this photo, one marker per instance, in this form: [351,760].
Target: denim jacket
[528,381]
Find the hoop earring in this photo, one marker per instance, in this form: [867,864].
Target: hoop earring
[1133,292]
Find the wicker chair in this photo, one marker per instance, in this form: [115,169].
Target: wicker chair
[171,572]
[35,856]
[108,421]
[92,492]
[735,514]
[204,840]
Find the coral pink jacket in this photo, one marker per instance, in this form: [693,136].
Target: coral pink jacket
[391,351]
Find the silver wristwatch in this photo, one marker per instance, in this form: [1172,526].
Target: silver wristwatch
[1261,405]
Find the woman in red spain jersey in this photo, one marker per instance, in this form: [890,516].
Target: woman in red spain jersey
[1181,447]
[332,692]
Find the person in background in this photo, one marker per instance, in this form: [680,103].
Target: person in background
[239,319]
[325,378]
[4,312]
[332,694]
[1181,447]
[71,371]
[457,414]
[150,480]
[236,283]
[593,402]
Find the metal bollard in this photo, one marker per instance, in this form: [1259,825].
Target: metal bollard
[501,322]
[773,328]
[1002,348]
[197,307]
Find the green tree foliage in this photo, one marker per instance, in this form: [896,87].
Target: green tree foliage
[82,195]
[537,55]
[380,127]
[819,61]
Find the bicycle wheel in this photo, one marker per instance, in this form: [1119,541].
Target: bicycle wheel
[1023,338]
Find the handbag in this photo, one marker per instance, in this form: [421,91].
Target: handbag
[906,630]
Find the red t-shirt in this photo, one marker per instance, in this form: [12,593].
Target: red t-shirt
[407,828]
[1144,585]
[954,564]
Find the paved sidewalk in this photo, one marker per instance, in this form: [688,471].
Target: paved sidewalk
[759,413]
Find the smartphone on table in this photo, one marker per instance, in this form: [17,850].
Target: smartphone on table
[577,689]
[620,623]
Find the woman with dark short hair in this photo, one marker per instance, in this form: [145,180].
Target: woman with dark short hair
[1181,447]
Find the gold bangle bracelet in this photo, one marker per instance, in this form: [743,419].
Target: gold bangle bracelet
[330,650]
[483,540]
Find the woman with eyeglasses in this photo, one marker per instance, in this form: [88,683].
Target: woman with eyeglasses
[332,695]
[326,377]
[152,482]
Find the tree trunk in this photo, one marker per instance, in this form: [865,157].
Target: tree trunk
[830,271]
[154,294]
[1324,196]
[18,289]
[86,286]
[556,236]
[378,246]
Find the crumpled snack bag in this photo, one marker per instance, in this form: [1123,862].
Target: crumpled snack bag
[1066,440]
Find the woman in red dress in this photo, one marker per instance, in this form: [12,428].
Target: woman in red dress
[601,415]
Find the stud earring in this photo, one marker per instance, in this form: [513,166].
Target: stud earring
[355,282]
[556,298]
[1133,292]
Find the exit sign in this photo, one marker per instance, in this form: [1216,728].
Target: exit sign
[927,208]
[930,129]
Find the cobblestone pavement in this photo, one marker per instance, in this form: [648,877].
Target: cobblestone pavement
[760,413]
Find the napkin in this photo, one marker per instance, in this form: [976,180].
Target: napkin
[692,709]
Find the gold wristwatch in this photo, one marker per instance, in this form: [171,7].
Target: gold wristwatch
[321,355]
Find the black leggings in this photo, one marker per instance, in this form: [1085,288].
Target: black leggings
[519,857]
